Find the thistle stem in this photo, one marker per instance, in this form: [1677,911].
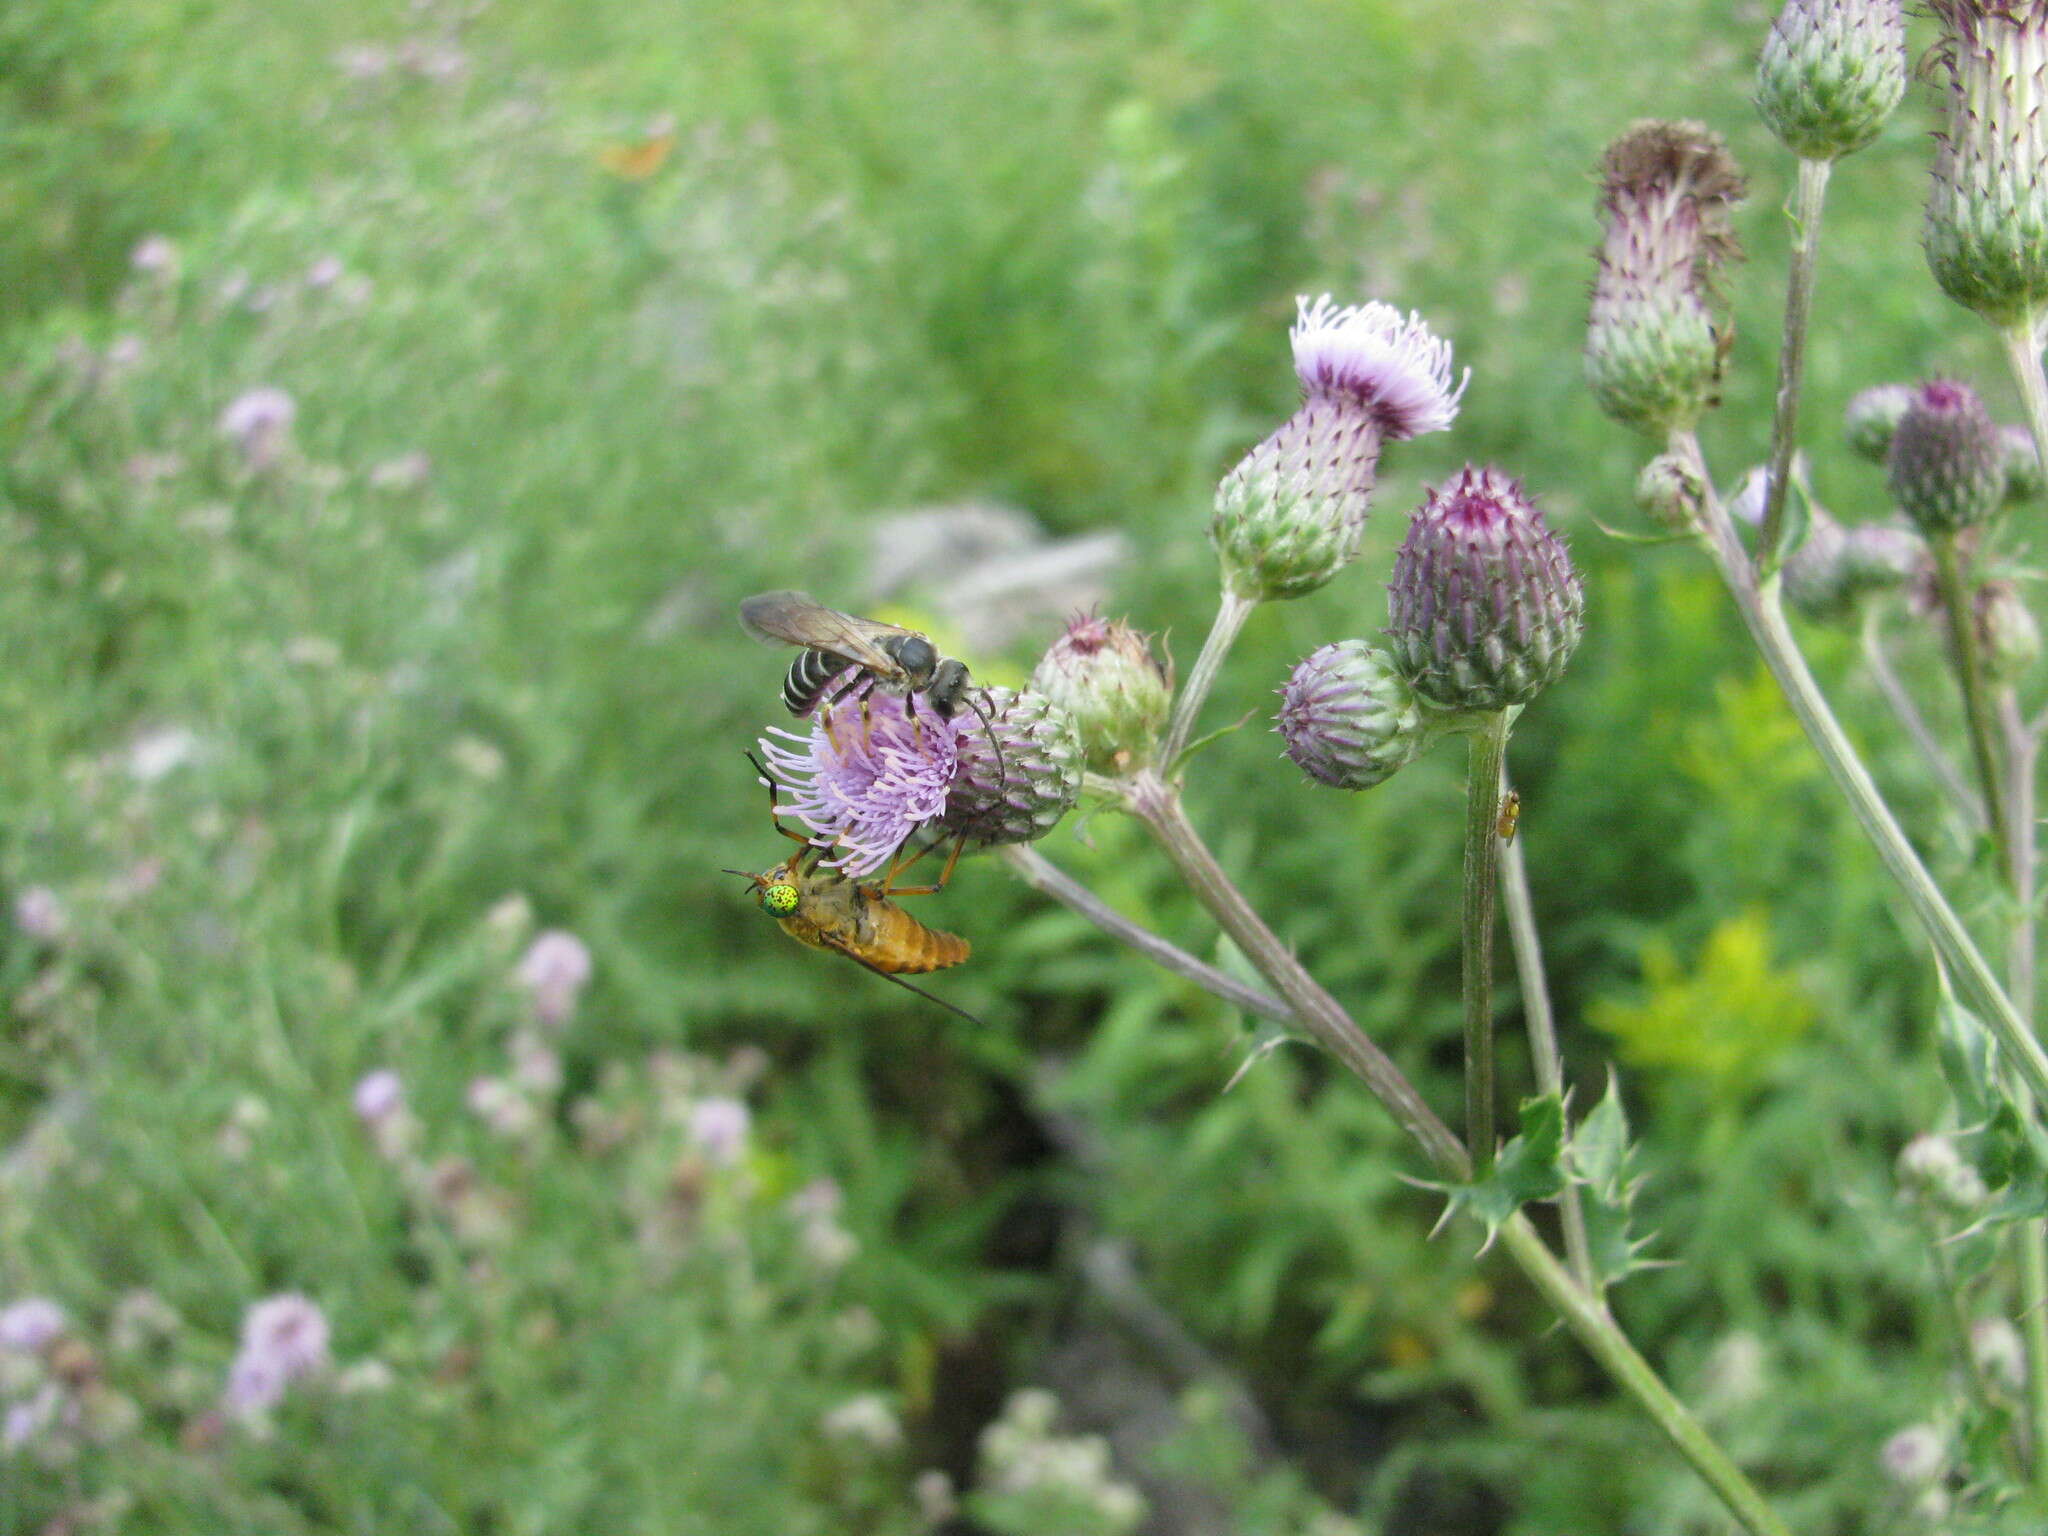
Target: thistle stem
[1485,759]
[1763,613]
[1962,655]
[1541,1021]
[1807,198]
[1231,613]
[1046,877]
[1877,660]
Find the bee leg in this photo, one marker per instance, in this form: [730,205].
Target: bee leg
[910,713]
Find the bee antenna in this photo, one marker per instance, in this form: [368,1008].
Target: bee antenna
[988,725]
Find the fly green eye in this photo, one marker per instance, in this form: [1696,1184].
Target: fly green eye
[780,899]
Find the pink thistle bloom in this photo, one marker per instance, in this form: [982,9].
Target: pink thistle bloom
[865,779]
[257,422]
[155,255]
[1392,365]
[555,968]
[39,913]
[31,1325]
[289,1332]
[379,1095]
[719,1128]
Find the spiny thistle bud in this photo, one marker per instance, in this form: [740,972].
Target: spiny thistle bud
[1349,717]
[1485,608]
[1987,210]
[2023,481]
[1654,344]
[1947,463]
[1872,417]
[1103,674]
[1037,782]
[1835,568]
[1670,494]
[2008,639]
[1831,73]
[1290,515]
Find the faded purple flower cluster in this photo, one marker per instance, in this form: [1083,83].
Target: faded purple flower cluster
[284,1342]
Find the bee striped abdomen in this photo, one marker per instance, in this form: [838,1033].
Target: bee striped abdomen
[809,676]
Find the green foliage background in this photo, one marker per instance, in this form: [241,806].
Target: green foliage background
[900,252]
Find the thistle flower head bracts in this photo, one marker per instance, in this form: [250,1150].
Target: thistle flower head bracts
[1290,515]
[1947,459]
[2023,480]
[1104,675]
[1020,796]
[1832,71]
[1654,342]
[1835,568]
[868,775]
[1872,417]
[1987,209]
[1348,716]
[1485,608]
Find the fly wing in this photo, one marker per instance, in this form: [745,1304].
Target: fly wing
[792,618]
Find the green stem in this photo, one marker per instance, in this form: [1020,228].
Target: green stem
[1541,1021]
[1960,610]
[1485,759]
[1807,198]
[1157,804]
[1764,615]
[1590,1322]
[1878,662]
[1231,613]
[2023,357]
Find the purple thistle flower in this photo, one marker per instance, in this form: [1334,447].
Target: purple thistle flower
[257,421]
[868,775]
[379,1095]
[554,970]
[31,1325]
[290,1332]
[1390,365]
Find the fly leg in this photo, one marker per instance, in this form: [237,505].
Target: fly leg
[891,888]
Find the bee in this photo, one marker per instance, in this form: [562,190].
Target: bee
[828,910]
[884,656]
[1510,816]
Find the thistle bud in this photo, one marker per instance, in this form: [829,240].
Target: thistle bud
[1348,716]
[1947,463]
[1872,417]
[1654,343]
[1987,209]
[1103,674]
[1832,71]
[2023,480]
[2008,638]
[1931,1170]
[1485,608]
[1836,568]
[1022,795]
[1290,515]
[1669,493]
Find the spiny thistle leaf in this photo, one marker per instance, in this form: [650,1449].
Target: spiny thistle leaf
[1598,1160]
[1528,1168]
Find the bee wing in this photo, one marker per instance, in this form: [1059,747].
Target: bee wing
[792,618]
[889,976]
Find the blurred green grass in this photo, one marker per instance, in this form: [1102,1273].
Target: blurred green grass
[899,253]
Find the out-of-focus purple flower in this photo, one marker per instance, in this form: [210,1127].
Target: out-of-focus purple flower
[324,273]
[719,1128]
[363,61]
[39,913]
[31,1325]
[536,1067]
[290,1329]
[503,1108]
[258,422]
[155,257]
[156,754]
[26,1421]
[554,970]
[868,775]
[407,472]
[379,1095]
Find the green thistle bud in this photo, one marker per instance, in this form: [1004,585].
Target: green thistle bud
[1932,1171]
[1832,71]
[1290,516]
[1872,417]
[1835,568]
[1669,493]
[1349,718]
[1947,462]
[2008,638]
[1485,608]
[1987,210]
[1103,674]
[2023,480]
[1654,341]
[1019,770]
